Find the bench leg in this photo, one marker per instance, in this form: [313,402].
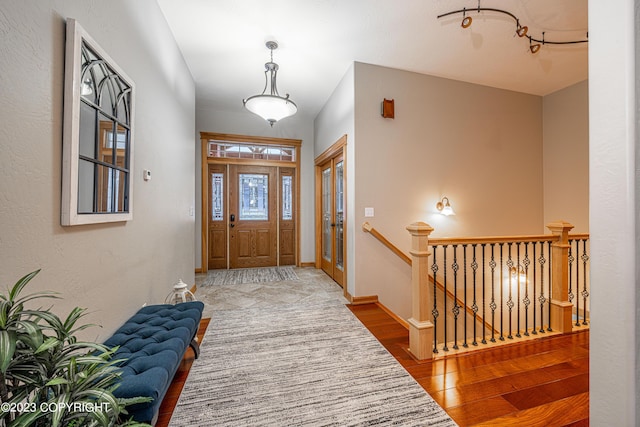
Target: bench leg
[196,347]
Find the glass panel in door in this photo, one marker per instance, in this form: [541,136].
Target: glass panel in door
[339,215]
[254,197]
[326,215]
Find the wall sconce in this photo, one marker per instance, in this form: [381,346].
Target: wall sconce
[518,273]
[444,207]
[388,109]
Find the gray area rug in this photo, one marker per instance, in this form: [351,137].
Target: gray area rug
[250,275]
[299,365]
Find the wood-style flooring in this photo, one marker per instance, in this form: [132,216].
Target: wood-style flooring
[173,393]
[542,382]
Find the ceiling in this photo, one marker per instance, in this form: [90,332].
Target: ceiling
[223,43]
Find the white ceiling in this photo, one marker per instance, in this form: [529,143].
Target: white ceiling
[223,43]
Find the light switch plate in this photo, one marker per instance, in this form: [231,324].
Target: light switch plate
[368,212]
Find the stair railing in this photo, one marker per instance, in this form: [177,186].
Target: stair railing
[470,292]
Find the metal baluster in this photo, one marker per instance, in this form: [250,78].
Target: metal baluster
[474,307]
[535,330]
[493,305]
[434,312]
[518,291]
[464,252]
[526,301]
[501,295]
[484,288]
[585,293]
[542,260]
[456,308]
[571,258]
[510,303]
[445,348]
[550,296]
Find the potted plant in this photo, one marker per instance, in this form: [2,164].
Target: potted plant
[47,376]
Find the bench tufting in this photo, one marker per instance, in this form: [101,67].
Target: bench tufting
[152,344]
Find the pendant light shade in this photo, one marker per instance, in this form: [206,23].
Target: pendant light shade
[269,104]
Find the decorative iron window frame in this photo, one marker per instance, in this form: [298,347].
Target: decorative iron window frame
[69,208]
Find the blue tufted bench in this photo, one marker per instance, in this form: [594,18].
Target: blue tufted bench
[152,344]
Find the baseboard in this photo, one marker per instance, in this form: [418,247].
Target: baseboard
[370,299]
[198,270]
[194,288]
[395,317]
[307,264]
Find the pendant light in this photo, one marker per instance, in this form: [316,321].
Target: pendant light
[269,104]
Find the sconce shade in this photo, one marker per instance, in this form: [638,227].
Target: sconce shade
[444,207]
[179,294]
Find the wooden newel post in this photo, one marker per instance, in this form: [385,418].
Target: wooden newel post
[420,324]
[561,307]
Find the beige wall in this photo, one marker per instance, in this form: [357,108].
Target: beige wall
[566,156]
[112,270]
[480,146]
[335,120]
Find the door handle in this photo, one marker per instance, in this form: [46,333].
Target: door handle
[232,225]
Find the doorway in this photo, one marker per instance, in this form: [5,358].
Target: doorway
[250,201]
[331,212]
[252,216]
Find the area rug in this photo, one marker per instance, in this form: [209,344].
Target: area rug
[299,365]
[250,275]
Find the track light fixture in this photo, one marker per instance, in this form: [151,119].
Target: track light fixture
[466,20]
[521,30]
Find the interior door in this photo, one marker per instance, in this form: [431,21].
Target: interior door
[332,222]
[253,221]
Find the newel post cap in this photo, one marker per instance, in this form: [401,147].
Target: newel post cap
[558,227]
[419,228]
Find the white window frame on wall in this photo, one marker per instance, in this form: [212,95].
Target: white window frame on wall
[69,215]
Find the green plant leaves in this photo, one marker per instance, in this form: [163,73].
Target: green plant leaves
[66,382]
[7,349]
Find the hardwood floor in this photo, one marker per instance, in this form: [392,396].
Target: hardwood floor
[173,393]
[536,383]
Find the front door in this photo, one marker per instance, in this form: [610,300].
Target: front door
[332,222]
[253,221]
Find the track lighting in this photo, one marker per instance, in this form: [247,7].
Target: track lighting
[466,20]
[521,30]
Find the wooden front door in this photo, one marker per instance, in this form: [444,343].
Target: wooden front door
[332,222]
[253,220]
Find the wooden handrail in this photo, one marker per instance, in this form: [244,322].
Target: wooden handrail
[501,239]
[369,229]
[375,233]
